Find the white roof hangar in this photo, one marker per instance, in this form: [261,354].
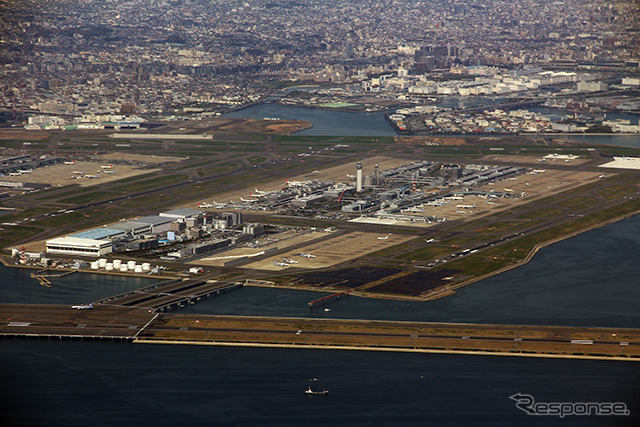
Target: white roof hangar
[79,246]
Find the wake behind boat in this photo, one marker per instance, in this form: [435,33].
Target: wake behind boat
[310,391]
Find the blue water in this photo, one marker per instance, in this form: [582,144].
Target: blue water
[590,279]
[325,122]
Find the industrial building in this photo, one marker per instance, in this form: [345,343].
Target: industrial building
[79,246]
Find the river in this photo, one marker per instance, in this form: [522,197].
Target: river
[587,280]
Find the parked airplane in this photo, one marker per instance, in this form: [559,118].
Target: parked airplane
[466,206]
[204,205]
[106,166]
[601,176]
[351,176]
[110,171]
[306,255]
[93,176]
[383,238]
[248,200]
[281,264]
[535,171]
[82,307]
[508,189]
[430,240]
[461,212]
[78,172]
[70,163]
[490,203]
[25,170]
[289,261]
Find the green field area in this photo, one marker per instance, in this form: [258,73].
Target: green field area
[616,191]
[152,183]
[579,203]
[16,234]
[214,170]
[83,198]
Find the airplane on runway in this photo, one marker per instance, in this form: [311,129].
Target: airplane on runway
[289,261]
[82,307]
[281,264]
[466,206]
[601,176]
[383,238]
[429,241]
[70,163]
[306,255]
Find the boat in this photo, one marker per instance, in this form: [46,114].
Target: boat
[310,391]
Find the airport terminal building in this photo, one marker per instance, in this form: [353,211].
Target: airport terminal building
[79,246]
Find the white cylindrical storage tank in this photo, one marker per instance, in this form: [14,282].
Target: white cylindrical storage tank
[116,264]
[108,266]
[138,269]
[95,265]
[146,266]
[102,262]
[124,268]
[131,265]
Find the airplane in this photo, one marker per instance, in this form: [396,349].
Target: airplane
[289,261]
[508,189]
[14,173]
[93,176]
[306,255]
[107,166]
[535,171]
[490,203]
[110,172]
[70,163]
[25,170]
[78,172]
[204,205]
[455,198]
[351,176]
[248,200]
[82,307]
[281,264]
[294,183]
[383,238]
[262,193]
[315,171]
[461,212]
[601,176]
[466,206]
[429,241]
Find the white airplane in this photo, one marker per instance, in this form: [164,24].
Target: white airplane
[351,176]
[383,238]
[93,176]
[110,171]
[25,170]
[315,171]
[508,189]
[466,206]
[248,200]
[261,193]
[78,172]
[535,171]
[455,198]
[70,163]
[429,241]
[306,255]
[294,183]
[490,203]
[106,166]
[14,173]
[289,261]
[601,176]
[461,212]
[281,264]
[205,205]
[82,307]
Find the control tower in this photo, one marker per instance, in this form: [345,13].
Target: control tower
[359,177]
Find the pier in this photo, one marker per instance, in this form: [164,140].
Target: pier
[324,299]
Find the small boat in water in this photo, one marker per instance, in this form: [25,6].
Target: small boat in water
[310,391]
